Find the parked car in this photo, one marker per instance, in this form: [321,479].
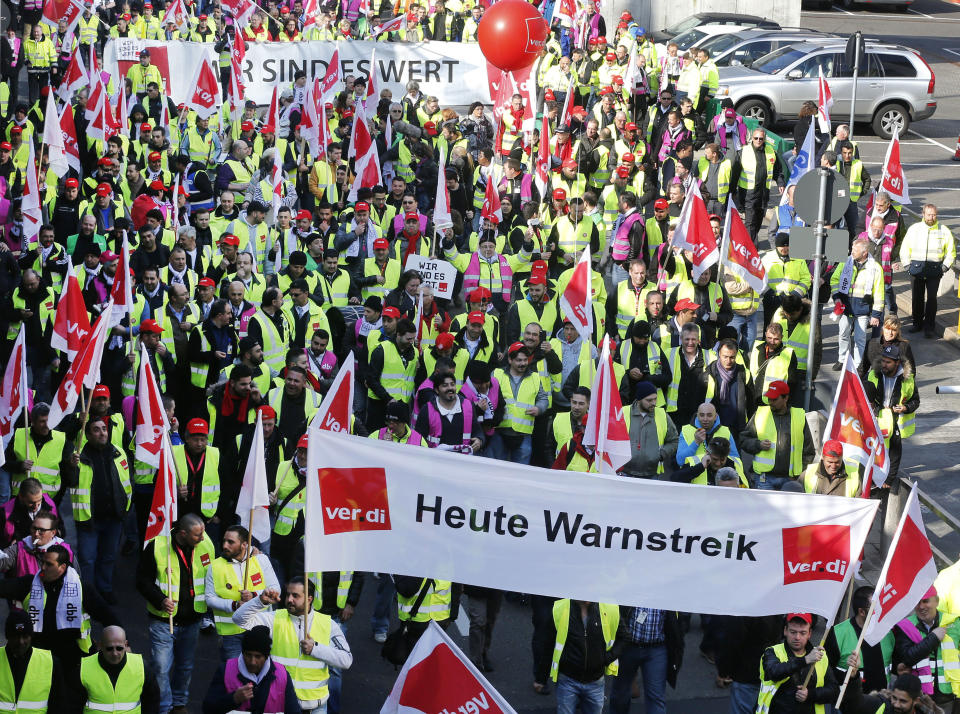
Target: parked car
[894,89]
[745,46]
[712,18]
[696,36]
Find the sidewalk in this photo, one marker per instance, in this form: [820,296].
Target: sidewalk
[948,312]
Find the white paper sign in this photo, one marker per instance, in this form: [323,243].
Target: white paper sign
[438,274]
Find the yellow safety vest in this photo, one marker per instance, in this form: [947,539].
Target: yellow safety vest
[852,479]
[673,391]
[390,273]
[777,367]
[226,584]
[275,341]
[659,420]
[46,460]
[769,688]
[797,339]
[81,496]
[210,486]
[435,606]
[609,622]
[397,378]
[514,415]
[103,695]
[310,676]
[203,555]
[887,419]
[767,429]
[748,166]
[35,690]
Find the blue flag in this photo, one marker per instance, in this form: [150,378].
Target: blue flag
[805,156]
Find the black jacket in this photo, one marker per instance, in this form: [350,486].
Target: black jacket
[585,655]
[794,670]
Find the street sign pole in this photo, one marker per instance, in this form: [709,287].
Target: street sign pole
[823,173]
[854,47]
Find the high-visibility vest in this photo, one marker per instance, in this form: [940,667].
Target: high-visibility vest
[887,418]
[343,588]
[787,277]
[929,244]
[336,292]
[105,696]
[275,340]
[796,339]
[659,421]
[777,367]
[397,378]
[724,167]
[702,478]
[689,431]
[855,179]
[631,304]
[81,496]
[601,176]
[200,370]
[867,280]
[673,391]
[686,289]
[945,659]
[435,606]
[129,384]
[402,167]
[547,319]
[391,277]
[769,688]
[747,302]
[609,622]
[852,479]
[46,311]
[35,690]
[574,238]
[141,76]
[203,555]
[310,676]
[655,359]
[210,485]
[226,584]
[585,360]
[748,166]
[288,515]
[39,53]
[317,319]
[847,639]
[46,460]
[767,429]
[514,414]
[201,148]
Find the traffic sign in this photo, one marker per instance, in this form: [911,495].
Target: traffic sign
[806,198]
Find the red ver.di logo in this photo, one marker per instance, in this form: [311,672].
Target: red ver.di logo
[815,553]
[354,499]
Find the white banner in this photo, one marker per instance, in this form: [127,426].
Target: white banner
[438,274]
[455,72]
[381,507]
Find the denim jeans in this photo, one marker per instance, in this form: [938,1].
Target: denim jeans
[766,482]
[743,698]
[575,697]
[230,646]
[336,678]
[97,545]
[853,329]
[519,454]
[173,658]
[651,660]
[747,327]
[380,621]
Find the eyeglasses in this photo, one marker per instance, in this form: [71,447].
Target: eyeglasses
[38,529]
[758,138]
[121,648]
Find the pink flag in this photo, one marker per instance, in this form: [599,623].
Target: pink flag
[84,371]
[71,323]
[606,428]
[824,102]
[14,391]
[894,180]
[694,233]
[576,303]
[742,258]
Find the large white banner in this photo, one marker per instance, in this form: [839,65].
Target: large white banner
[382,507]
[455,72]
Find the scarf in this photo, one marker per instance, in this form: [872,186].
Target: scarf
[69,604]
[413,243]
[366,327]
[726,379]
[232,404]
[846,277]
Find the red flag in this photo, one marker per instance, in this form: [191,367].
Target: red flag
[68,129]
[163,508]
[853,424]
[71,323]
[123,120]
[438,677]
[694,233]
[277,176]
[74,77]
[151,421]
[824,102]
[894,180]
[56,10]
[542,167]
[206,91]
[367,163]
[336,410]
[331,79]
[907,574]
[441,210]
[391,25]
[84,371]
[606,428]
[372,90]
[576,303]
[121,294]
[240,10]
[14,391]
[491,200]
[742,257]
[30,207]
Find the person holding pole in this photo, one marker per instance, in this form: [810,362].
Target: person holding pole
[784,685]
[926,642]
[171,576]
[842,641]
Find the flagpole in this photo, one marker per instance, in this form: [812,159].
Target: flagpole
[863,631]
[246,565]
[170,579]
[26,432]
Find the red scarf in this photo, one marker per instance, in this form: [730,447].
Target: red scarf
[231,403]
[413,242]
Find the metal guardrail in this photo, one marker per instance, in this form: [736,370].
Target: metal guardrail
[940,512]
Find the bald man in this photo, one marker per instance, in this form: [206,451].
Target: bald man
[100,673]
[695,435]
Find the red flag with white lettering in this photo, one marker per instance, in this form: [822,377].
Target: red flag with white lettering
[30,208]
[853,424]
[331,80]
[364,148]
[694,233]
[74,77]
[336,410]
[438,677]
[907,574]
[68,130]
[177,14]
[163,508]
[71,323]
[894,180]
[491,201]
[14,391]
[121,294]
[84,371]
[742,257]
[576,303]
[606,428]
[240,10]
[206,91]
[151,420]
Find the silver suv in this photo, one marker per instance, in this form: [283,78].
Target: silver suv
[894,89]
[742,48]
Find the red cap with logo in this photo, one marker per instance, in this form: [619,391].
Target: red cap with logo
[206,283]
[362,206]
[391,311]
[71,183]
[629,158]
[779,388]
[629,126]
[515,347]
[151,326]
[623,172]
[302,444]
[477,316]
[304,216]
[479,295]
[230,239]
[444,341]
[198,426]
[268,129]
[685,304]
[560,194]
[246,126]
[267,412]
[146,127]
[661,204]
[381,244]
[158,186]
[430,127]
[154,156]
[101,390]
[411,216]
[104,190]
[832,448]
[6,146]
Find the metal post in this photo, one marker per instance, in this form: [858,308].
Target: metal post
[856,71]
[820,233]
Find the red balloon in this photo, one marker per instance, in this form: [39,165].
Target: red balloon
[512,33]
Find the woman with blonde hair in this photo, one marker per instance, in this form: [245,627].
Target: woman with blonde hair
[890,334]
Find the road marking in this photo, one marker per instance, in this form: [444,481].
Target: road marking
[932,141]
[929,17]
[953,52]
[883,16]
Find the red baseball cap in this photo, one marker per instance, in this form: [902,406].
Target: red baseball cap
[347,113]
[206,283]
[362,206]
[267,412]
[444,341]
[661,203]
[560,194]
[6,146]
[302,444]
[779,388]
[157,186]
[594,40]
[515,347]
[479,294]
[617,79]
[70,182]
[104,190]
[146,127]
[198,426]
[548,96]
[537,278]
[108,256]
[629,126]
[104,161]
[268,129]
[610,57]
[304,216]
[685,304]
[230,239]
[832,447]
[623,172]
[101,390]
[125,16]
[202,17]
[569,164]
[411,216]
[246,126]
[430,127]
[629,158]
[390,311]
[805,616]
[606,90]
[381,244]
[578,112]
[477,316]
[151,326]
[154,156]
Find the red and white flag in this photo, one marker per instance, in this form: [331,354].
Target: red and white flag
[310,121]
[331,80]
[98,95]
[84,371]
[391,25]
[907,574]
[253,503]
[75,78]
[824,103]
[441,211]
[121,294]
[694,233]
[853,424]
[311,13]
[894,180]
[56,10]
[151,419]
[438,677]
[14,391]
[742,257]
[240,10]
[542,166]
[491,200]
[206,91]
[68,132]
[606,428]
[177,14]
[122,116]
[576,303]
[71,323]
[30,207]
[163,508]
[372,90]
[366,165]
[336,409]
[277,176]
[565,11]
